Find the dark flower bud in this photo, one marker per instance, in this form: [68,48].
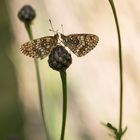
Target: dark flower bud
[59,58]
[26,14]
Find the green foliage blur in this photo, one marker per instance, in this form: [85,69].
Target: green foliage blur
[11,119]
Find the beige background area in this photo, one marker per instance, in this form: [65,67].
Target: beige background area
[93,80]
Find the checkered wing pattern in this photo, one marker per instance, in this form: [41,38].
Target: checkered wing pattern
[80,44]
[39,48]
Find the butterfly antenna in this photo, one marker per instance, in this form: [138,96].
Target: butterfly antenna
[52,29]
[56,32]
[51,24]
[62,28]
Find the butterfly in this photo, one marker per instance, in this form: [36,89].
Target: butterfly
[79,44]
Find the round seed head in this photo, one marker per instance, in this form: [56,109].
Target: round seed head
[59,58]
[26,14]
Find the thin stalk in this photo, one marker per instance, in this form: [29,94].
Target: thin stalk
[64,112]
[120,66]
[29,30]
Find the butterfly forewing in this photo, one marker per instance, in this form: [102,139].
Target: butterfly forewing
[39,48]
[80,44]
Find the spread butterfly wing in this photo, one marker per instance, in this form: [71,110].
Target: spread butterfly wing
[39,48]
[80,44]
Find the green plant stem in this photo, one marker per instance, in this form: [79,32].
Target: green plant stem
[64,112]
[29,30]
[120,66]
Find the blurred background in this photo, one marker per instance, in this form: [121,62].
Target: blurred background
[93,80]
